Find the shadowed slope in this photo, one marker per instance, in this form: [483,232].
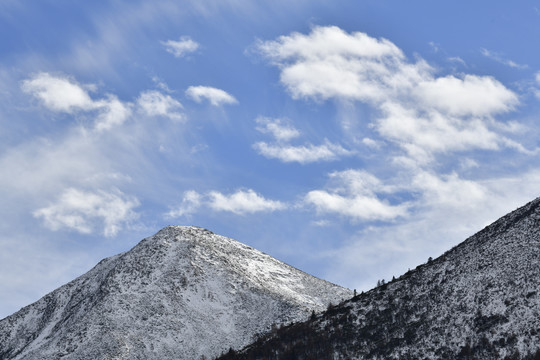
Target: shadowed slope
[480,300]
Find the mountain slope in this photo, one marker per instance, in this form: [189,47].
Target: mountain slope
[184,293]
[480,300]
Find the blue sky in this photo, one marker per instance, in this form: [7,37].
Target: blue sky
[351,139]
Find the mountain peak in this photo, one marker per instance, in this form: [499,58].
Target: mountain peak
[182,293]
[528,213]
[183,229]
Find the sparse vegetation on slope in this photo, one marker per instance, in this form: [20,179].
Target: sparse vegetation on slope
[480,300]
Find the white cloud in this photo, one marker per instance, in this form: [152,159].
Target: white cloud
[423,134]
[472,95]
[278,128]
[422,113]
[190,203]
[112,113]
[84,211]
[58,93]
[216,97]
[371,143]
[283,132]
[63,94]
[154,103]
[240,202]
[43,168]
[302,154]
[448,191]
[243,202]
[331,63]
[450,210]
[185,45]
[328,41]
[356,196]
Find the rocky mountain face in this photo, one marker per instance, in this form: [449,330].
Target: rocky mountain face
[184,293]
[480,300]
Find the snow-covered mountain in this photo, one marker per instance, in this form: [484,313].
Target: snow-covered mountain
[184,293]
[480,300]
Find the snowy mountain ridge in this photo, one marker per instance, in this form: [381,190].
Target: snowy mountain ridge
[479,300]
[184,293]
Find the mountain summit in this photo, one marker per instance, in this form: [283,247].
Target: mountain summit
[480,300]
[184,293]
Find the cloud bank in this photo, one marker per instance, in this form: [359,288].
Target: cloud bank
[419,111]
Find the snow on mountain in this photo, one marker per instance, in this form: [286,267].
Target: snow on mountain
[184,293]
[480,300]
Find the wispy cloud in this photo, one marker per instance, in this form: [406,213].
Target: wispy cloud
[500,59]
[191,202]
[370,143]
[154,103]
[457,59]
[216,97]
[113,112]
[107,145]
[84,211]
[302,154]
[280,129]
[448,191]
[424,135]
[180,48]
[283,132]
[356,194]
